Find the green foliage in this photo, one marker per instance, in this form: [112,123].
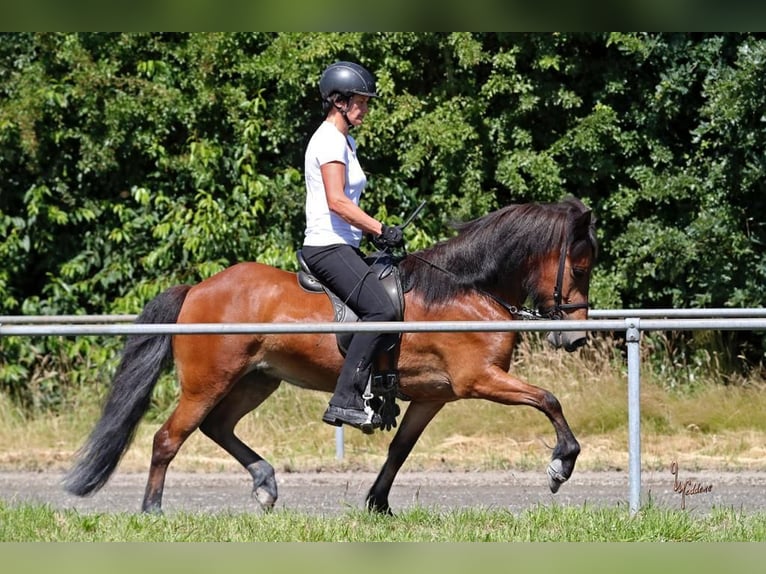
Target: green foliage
[49,372]
[132,162]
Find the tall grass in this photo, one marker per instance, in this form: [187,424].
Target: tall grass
[710,420]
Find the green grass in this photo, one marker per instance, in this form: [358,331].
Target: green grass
[35,523]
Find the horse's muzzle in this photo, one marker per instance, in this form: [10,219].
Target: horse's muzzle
[569,340]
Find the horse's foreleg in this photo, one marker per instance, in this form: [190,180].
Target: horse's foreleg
[415,420]
[500,387]
[567,448]
[219,425]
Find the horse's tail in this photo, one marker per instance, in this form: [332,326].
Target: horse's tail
[144,358]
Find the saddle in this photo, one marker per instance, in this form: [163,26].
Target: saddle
[383,386]
[382,265]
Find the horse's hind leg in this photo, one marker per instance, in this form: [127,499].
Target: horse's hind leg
[219,425]
[184,420]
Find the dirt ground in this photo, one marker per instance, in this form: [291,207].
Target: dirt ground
[334,493]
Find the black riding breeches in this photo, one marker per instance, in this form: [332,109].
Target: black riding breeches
[343,270]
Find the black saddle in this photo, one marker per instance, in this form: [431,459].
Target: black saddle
[382,265]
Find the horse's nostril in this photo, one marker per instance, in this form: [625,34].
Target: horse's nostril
[575,343]
[569,340]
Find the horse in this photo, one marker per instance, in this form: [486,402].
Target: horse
[493,265]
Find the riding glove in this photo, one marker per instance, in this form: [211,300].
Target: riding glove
[390,237]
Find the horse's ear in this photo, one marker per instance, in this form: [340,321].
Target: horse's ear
[583,229]
[582,222]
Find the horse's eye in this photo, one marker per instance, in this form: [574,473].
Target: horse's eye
[579,272]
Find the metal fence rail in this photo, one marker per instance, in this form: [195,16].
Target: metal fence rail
[632,322]
[542,325]
[720,312]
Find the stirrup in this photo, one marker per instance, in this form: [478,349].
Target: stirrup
[380,396]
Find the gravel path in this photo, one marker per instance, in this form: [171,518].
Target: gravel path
[334,493]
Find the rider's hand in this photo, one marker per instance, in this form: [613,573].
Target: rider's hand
[390,237]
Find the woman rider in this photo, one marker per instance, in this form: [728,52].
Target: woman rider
[335,225]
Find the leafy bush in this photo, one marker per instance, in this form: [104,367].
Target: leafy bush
[135,161]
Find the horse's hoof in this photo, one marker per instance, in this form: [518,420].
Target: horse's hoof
[264,484]
[265,499]
[379,507]
[555,476]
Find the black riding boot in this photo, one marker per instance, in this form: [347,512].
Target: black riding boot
[347,405]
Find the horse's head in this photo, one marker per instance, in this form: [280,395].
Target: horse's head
[567,271]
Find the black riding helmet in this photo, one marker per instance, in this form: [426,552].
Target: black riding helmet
[346,78]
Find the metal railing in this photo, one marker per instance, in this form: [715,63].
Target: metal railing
[715,313]
[632,322]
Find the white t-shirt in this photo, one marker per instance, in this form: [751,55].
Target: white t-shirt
[322,226]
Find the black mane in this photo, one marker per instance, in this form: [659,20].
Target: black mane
[488,250]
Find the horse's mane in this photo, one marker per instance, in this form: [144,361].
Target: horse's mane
[496,246]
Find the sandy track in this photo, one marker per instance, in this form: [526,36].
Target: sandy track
[334,493]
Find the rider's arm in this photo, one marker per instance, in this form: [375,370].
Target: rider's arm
[334,179]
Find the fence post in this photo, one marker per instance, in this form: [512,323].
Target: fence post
[632,338]
[339,443]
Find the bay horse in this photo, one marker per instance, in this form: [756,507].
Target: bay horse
[538,252]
